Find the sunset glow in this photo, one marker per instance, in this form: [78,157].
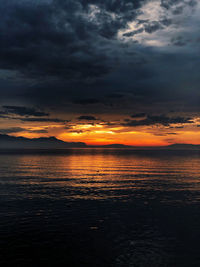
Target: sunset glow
[102,134]
[111,72]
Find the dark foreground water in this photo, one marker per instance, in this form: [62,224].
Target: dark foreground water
[100,208]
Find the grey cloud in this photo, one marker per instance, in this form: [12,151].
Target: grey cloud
[176,127]
[11,130]
[23,111]
[178,41]
[164,134]
[42,120]
[161,119]
[38,131]
[152,26]
[178,10]
[178,6]
[132,33]
[166,22]
[19,129]
[87,118]
[138,115]
[149,27]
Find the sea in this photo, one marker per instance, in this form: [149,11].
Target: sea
[100,207]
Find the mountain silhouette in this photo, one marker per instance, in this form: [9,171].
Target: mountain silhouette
[12,142]
[7,142]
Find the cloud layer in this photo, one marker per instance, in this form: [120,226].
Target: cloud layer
[109,59]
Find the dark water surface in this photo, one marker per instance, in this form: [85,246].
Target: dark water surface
[100,208]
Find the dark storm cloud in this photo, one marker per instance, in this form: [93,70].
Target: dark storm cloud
[67,55]
[37,131]
[166,22]
[60,38]
[87,118]
[19,129]
[3,114]
[164,134]
[168,3]
[138,115]
[23,111]
[176,127]
[27,114]
[11,130]
[41,120]
[162,120]
[177,4]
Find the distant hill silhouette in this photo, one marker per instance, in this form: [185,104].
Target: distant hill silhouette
[12,142]
[183,146]
[114,146]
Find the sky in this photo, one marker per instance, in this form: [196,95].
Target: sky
[101,71]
